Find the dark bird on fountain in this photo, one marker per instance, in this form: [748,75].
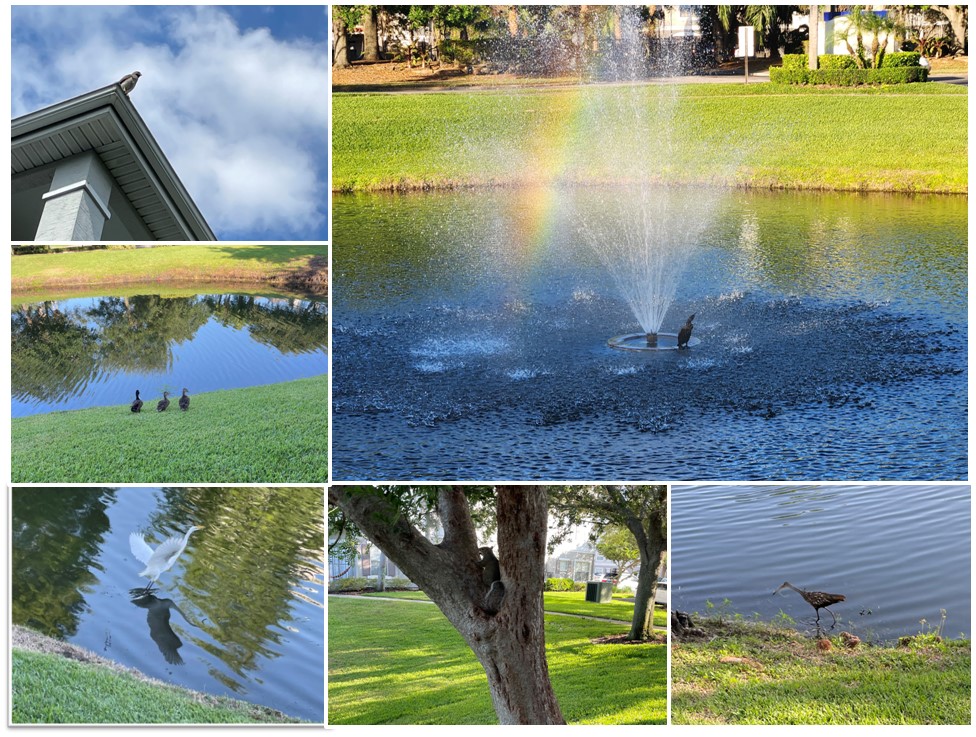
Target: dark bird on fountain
[684,335]
[817,599]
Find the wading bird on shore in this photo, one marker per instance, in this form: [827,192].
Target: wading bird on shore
[162,559]
[817,599]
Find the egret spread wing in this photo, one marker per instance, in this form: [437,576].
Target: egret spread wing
[140,550]
[169,549]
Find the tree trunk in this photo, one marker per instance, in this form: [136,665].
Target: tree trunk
[340,60]
[959,21]
[371,49]
[510,644]
[652,546]
[813,45]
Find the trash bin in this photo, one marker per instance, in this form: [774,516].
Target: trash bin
[599,592]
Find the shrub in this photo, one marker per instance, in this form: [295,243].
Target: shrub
[462,53]
[795,61]
[352,583]
[901,59]
[837,61]
[579,585]
[559,584]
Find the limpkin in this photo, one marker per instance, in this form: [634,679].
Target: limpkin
[817,599]
[684,335]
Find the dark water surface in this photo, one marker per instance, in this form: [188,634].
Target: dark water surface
[900,554]
[96,351]
[240,613]
[470,335]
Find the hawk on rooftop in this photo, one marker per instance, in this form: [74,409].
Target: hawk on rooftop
[128,82]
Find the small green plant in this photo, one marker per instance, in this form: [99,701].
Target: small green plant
[719,612]
[559,584]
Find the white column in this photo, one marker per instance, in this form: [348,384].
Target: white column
[76,206]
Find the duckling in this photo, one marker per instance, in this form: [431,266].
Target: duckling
[185,400]
[163,403]
[136,405]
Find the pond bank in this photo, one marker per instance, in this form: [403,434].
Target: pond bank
[298,268]
[852,139]
[55,682]
[754,673]
[276,433]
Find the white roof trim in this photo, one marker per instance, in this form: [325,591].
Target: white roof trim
[106,119]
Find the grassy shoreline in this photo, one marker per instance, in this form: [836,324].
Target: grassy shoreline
[55,682]
[276,433]
[774,136]
[754,673]
[292,267]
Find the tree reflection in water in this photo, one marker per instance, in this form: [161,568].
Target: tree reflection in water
[59,348]
[57,535]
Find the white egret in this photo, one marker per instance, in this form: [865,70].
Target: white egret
[162,559]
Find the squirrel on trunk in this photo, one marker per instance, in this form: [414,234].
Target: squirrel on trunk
[491,575]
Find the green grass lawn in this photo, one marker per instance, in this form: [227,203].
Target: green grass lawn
[574,602]
[756,674]
[265,434]
[399,663]
[51,689]
[167,264]
[564,602]
[762,135]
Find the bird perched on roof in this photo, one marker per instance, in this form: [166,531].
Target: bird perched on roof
[128,82]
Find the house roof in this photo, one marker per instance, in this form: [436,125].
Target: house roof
[106,121]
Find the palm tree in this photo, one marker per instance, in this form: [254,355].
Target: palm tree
[864,22]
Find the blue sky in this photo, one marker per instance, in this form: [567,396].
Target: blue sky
[236,96]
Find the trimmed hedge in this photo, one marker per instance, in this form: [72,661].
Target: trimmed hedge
[837,61]
[796,62]
[901,59]
[849,77]
[841,70]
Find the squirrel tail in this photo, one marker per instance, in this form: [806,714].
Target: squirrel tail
[494,597]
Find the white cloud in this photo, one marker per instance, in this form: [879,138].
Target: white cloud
[241,115]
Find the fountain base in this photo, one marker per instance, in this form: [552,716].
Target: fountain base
[646,342]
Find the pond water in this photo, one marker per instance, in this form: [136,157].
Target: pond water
[900,554]
[96,351]
[470,341]
[240,614]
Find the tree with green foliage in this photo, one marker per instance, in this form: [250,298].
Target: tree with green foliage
[768,20]
[863,23]
[643,511]
[508,637]
[617,544]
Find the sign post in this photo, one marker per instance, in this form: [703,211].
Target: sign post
[747,45]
